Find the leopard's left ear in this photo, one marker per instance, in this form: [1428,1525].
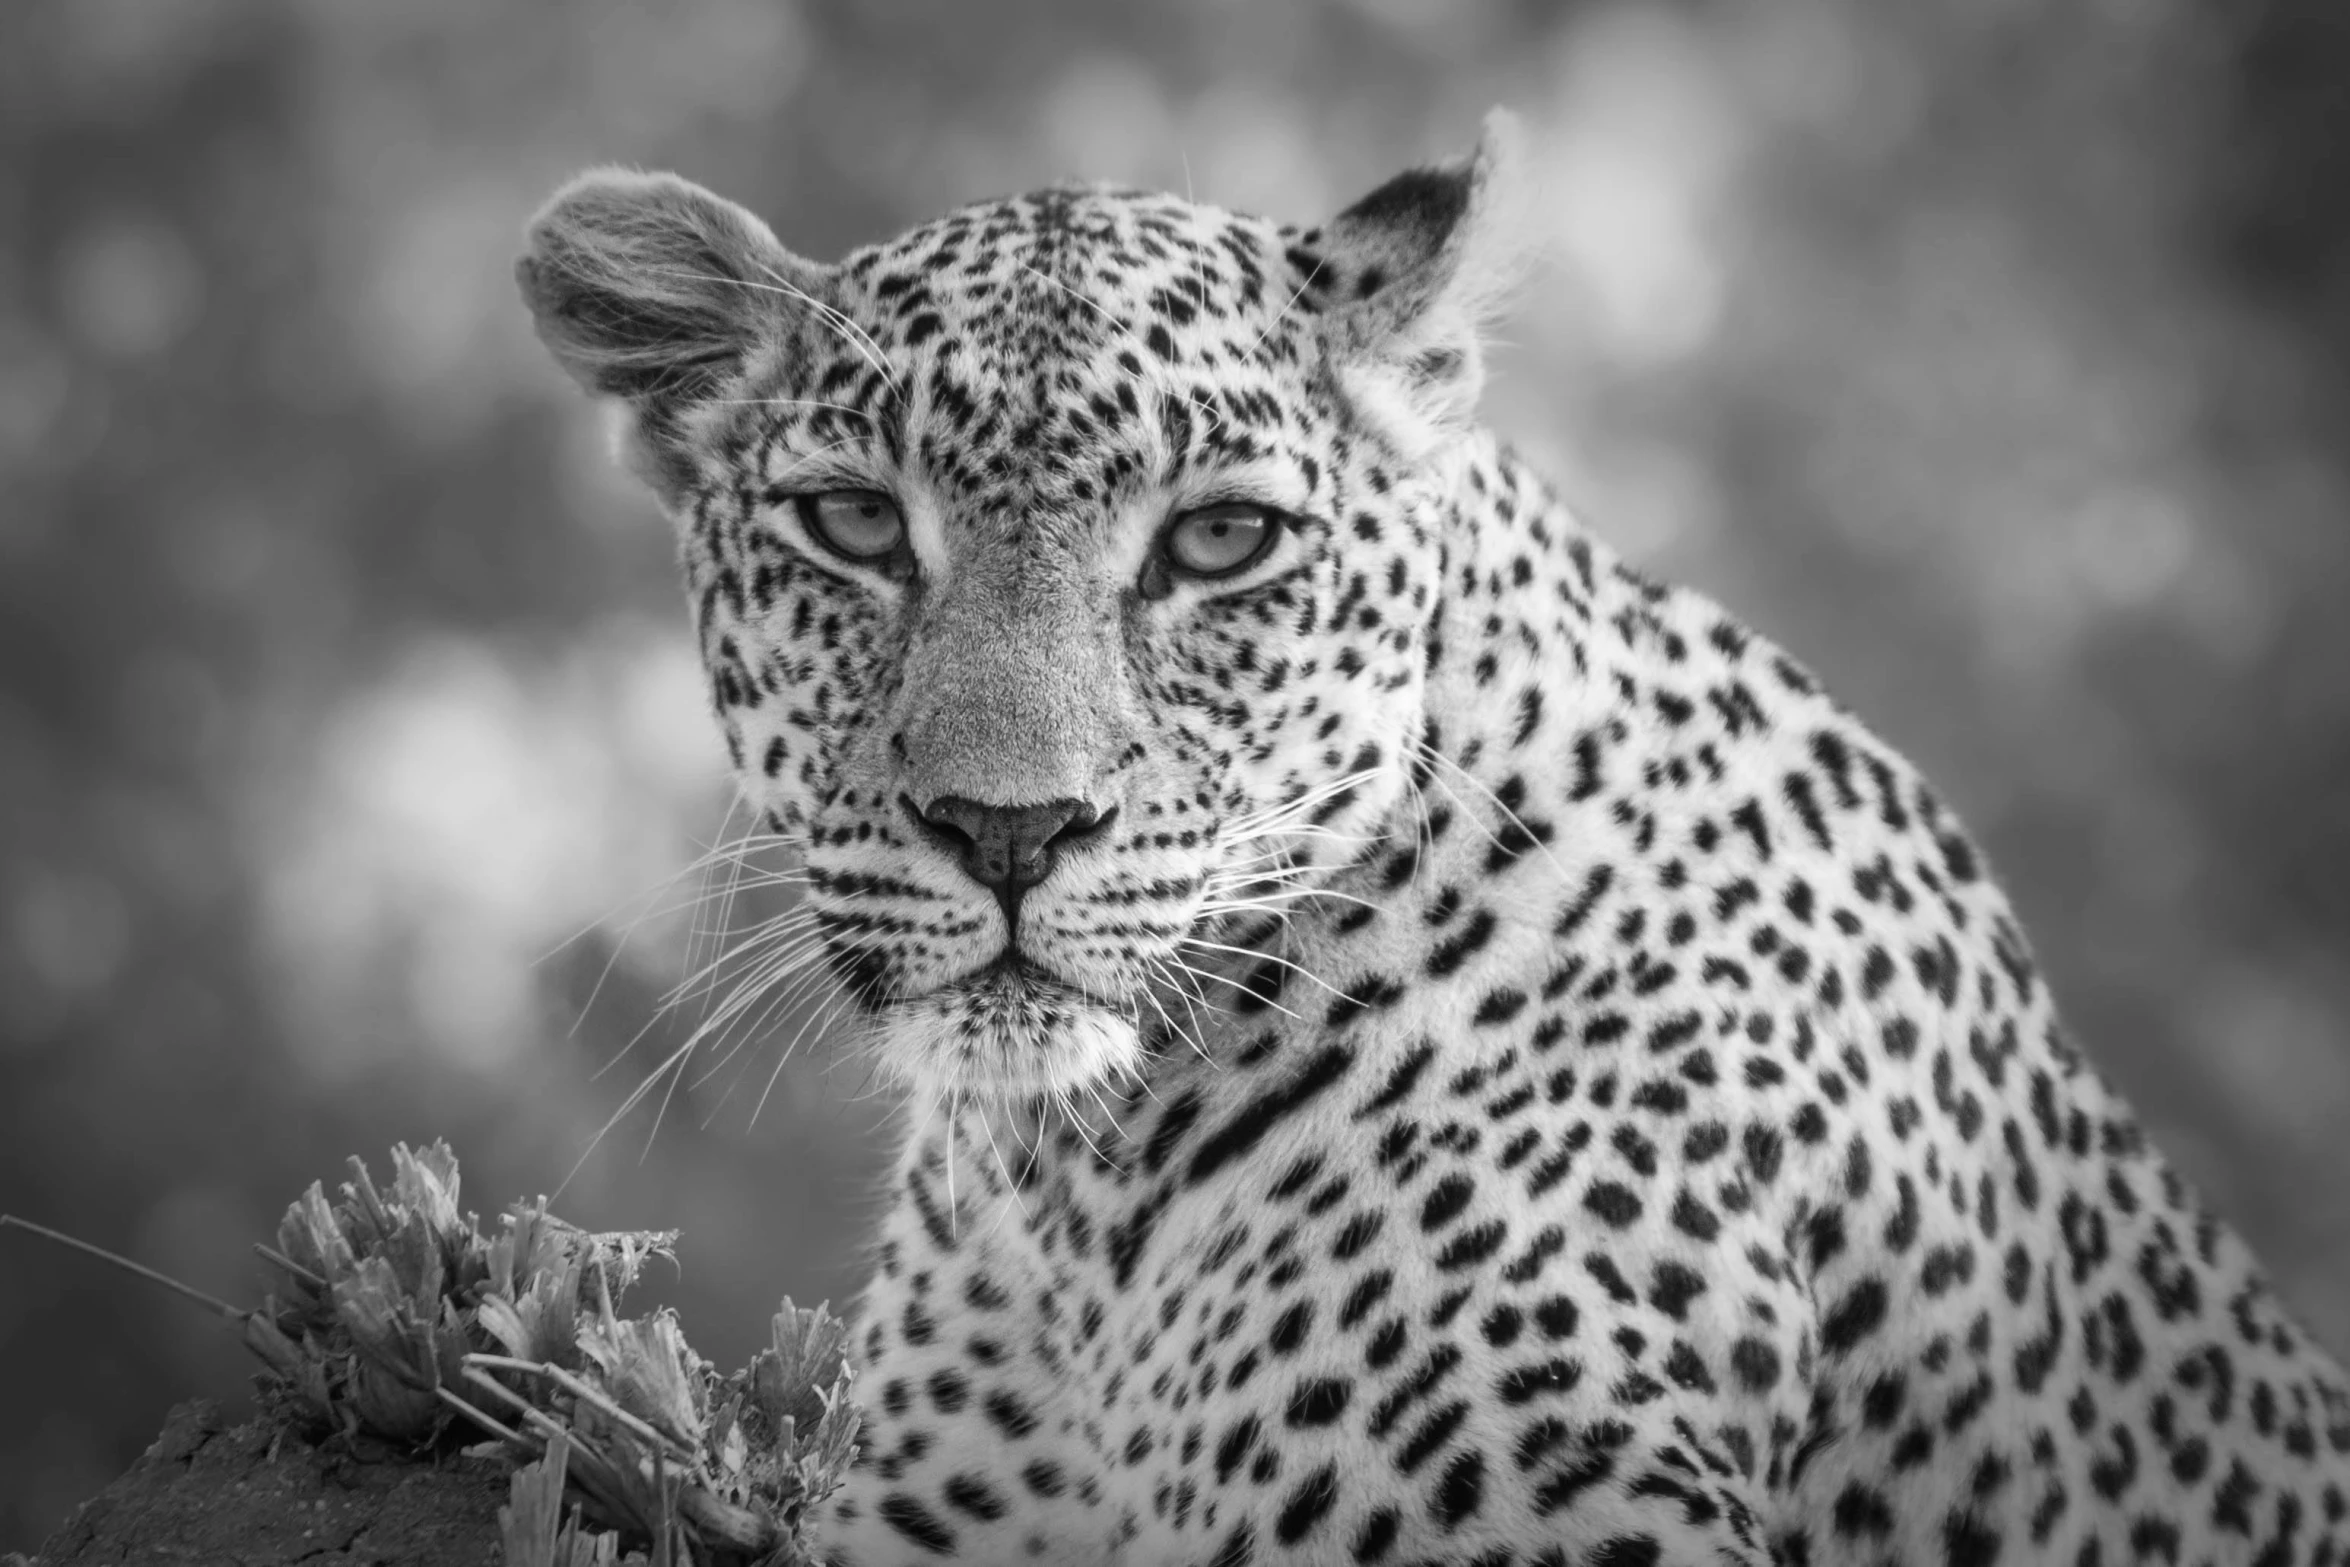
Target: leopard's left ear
[1406,278]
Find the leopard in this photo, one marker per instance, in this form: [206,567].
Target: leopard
[1421,1043]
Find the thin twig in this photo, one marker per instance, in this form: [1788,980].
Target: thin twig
[582,1390]
[234,1313]
[273,1255]
[487,1422]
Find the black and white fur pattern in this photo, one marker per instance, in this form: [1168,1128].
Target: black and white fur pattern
[1523,1078]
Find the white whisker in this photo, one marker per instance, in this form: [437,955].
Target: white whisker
[819,1019]
[1431,752]
[849,331]
[1267,330]
[1210,977]
[1011,1186]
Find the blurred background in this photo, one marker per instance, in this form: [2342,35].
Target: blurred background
[1995,356]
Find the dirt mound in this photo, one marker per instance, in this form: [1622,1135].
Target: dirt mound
[255,1496]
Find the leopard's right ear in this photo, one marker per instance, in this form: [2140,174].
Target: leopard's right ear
[649,288]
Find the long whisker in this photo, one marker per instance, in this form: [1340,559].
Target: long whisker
[1275,321]
[840,320]
[767,963]
[1211,977]
[819,1021]
[1274,901]
[1103,1105]
[954,1124]
[1156,967]
[1282,817]
[1424,827]
[696,935]
[1193,999]
[987,1130]
[780,982]
[636,1097]
[717,1022]
[776,987]
[849,331]
[723,850]
[765,932]
[1084,1133]
[703,981]
[1533,838]
[659,887]
[788,931]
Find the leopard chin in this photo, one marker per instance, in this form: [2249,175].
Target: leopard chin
[1009,1034]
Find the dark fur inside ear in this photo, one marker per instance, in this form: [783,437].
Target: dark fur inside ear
[1399,229]
[648,287]
[1406,276]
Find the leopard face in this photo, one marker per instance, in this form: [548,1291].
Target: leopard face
[1062,568]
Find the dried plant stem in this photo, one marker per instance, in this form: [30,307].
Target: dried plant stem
[530,1413]
[272,1255]
[233,1313]
[487,1422]
[582,1391]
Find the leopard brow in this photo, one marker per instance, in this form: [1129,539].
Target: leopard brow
[843,470]
[1247,485]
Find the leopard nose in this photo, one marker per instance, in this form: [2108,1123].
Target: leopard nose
[1008,848]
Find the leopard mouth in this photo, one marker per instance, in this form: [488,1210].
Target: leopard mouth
[1007,1030]
[1012,975]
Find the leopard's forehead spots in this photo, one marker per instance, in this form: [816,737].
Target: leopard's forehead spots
[1069,345]
[1035,273]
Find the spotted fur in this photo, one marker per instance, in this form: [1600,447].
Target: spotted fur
[1519,1076]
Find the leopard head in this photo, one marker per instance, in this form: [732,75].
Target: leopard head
[1065,568]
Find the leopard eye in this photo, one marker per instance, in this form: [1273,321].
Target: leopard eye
[861,525]
[1216,541]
